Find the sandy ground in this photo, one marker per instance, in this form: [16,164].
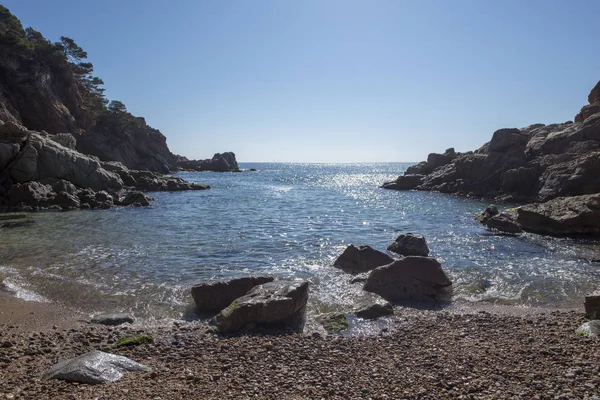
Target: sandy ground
[458,353]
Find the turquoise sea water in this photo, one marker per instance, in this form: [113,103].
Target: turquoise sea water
[288,220]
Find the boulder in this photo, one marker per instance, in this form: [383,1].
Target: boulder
[504,222]
[414,279]
[375,311]
[592,305]
[136,197]
[215,296]
[589,329]
[277,303]
[410,244]
[361,259]
[563,216]
[94,367]
[112,319]
[504,140]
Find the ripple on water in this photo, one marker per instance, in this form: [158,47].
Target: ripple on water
[288,220]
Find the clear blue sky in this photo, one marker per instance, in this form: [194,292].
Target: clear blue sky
[333,81]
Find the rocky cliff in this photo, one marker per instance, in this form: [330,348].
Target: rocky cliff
[42,171]
[536,163]
[49,87]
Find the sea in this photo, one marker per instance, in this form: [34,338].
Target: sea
[288,220]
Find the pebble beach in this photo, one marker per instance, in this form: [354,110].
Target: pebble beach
[459,353]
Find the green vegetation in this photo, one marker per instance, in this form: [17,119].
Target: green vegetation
[129,341]
[58,57]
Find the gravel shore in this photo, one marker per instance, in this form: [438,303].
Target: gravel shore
[462,354]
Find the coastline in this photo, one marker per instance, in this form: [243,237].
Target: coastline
[469,351]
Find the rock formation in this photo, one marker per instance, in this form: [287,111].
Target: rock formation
[535,163]
[410,244]
[563,216]
[356,260]
[215,296]
[221,162]
[48,94]
[413,279]
[121,137]
[37,172]
[279,303]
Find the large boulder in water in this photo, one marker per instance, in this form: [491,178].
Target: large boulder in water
[94,367]
[277,303]
[360,259]
[504,222]
[410,244]
[563,216]
[418,279]
[215,296]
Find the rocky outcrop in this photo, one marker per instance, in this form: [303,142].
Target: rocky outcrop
[121,137]
[535,163]
[563,216]
[356,260]
[410,244]
[95,367]
[215,296]
[277,303]
[38,172]
[150,181]
[504,222]
[221,162]
[412,279]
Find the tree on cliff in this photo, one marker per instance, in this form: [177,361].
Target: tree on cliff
[71,50]
[11,30]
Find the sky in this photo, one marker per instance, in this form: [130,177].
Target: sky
[333,80]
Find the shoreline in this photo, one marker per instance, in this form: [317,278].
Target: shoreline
[466,352]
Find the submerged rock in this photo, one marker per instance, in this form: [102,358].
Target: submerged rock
[375,311]
[418,279]
[278,303]
[112,319]
[410,244]
[334,322]
[215,296]
[94,367]
[135,198]
[361,259]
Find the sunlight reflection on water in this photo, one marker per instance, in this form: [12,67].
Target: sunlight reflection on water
[288,220]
